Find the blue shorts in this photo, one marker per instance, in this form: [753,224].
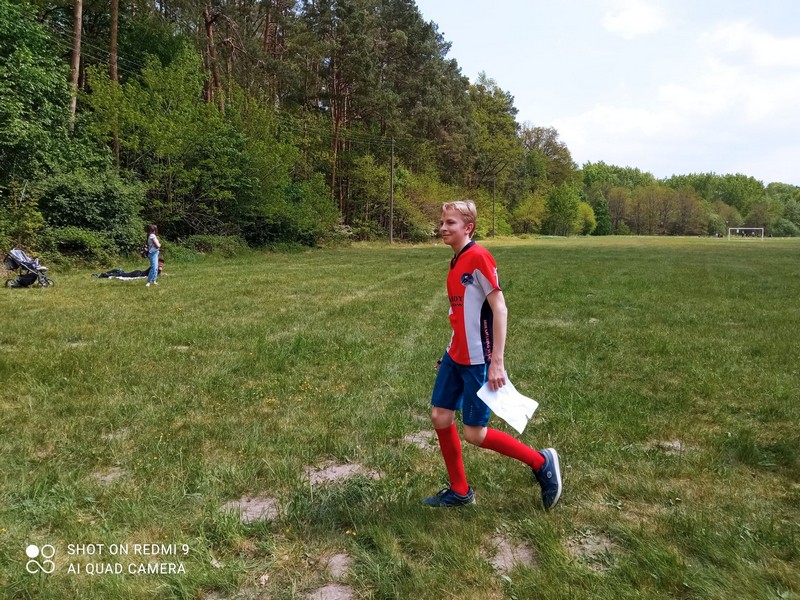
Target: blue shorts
[456,388]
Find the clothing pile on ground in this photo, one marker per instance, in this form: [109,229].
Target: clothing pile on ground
[128,275]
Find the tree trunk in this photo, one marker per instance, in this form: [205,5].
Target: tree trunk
[267,42]
[113,73]
[216,84]
[208,93]
[77,28]
[112,53]
[333,163]
[336,126]
[231,48]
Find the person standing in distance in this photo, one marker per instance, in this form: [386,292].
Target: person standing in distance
[153,247]
[474,356]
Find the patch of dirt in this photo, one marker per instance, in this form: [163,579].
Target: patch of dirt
[332,472]
[643,514]
[44,452]
[424,440]
[504,555]
[591,548]
[108,475]
[242,594]
[113,436]
[560,323]
[76,344]
[253,509]
[670,447]
[338,565]
[182,348]
[333,591]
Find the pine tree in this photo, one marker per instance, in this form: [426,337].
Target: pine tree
[603,218]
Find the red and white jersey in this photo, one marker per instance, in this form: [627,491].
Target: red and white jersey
[472,277]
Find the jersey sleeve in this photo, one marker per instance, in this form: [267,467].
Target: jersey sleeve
[486,274]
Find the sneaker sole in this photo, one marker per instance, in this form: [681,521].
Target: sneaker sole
[558,475]
[470,503]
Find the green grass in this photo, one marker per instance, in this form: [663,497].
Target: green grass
[666,369]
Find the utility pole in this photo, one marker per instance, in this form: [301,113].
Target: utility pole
[494,220]
[391,197]
[75,66]
[114,75]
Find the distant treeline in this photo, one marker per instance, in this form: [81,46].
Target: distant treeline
[280,121]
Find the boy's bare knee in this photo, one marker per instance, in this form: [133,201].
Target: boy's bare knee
[442,418]
[474,435]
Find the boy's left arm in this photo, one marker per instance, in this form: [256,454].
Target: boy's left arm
[497,370]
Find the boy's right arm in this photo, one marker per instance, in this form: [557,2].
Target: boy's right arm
[497,370]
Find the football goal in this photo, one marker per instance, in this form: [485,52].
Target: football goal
[746,232]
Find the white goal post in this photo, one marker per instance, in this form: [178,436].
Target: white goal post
[746,232]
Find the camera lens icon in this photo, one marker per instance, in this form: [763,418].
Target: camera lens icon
[46,552]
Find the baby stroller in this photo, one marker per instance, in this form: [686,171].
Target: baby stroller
[30,271]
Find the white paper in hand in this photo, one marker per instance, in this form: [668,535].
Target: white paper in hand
[508,404]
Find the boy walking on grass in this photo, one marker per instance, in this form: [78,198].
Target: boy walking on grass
[474,356]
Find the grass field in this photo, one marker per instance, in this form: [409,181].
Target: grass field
[668,376]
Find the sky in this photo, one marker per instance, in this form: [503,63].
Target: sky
[670,87]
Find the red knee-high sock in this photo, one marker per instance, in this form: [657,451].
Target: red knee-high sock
[450,444]
[503,443]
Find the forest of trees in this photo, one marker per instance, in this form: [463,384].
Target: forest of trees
[284,121]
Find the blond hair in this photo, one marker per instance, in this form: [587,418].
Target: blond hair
[467,209]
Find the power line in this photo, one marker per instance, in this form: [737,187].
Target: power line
[69,35]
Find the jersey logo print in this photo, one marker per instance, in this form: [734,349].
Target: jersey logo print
[467,279]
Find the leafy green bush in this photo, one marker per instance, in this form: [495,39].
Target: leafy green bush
[303,214]
[586,221]
[172,252]
[368,231]
[784,228]
[418,235]
[410,222]
[225,245]
[563,208]
[34,96]
[716,225]
[20,219]
[186,151]
[94,201]
[602,217]
[341,235]
[77,243]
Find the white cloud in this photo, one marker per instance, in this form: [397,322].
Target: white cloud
[632,18]
[732,107]
[759,47]
[706,96]
[758,72]
[621,121]
[625,136]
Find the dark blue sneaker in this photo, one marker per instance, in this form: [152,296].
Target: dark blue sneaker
[549,478]
[448,498]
